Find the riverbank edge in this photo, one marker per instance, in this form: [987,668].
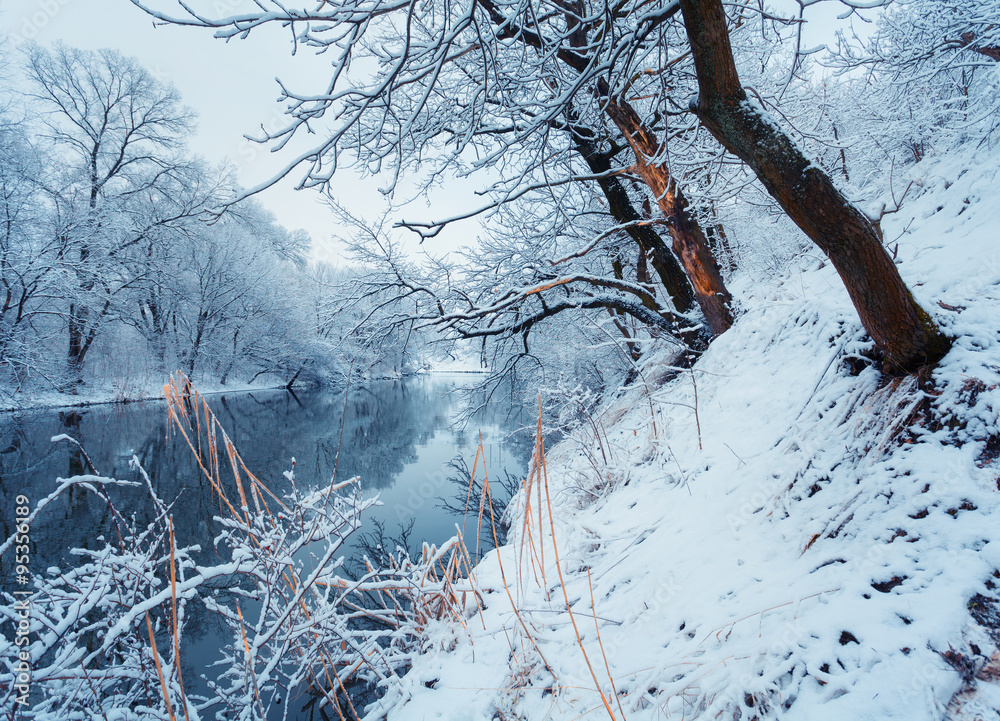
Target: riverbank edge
[56,401]
[779,531]
[53,400]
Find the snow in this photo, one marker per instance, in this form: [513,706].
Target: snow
[110,392]
[778,532]
[766,535]
[463,360]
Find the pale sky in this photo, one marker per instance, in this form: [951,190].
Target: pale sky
[232,88]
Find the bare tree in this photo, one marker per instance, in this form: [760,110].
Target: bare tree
[120,133]
[950,51]
[494,79]
[30,267]
[622,208]
[233,286]
[498,78]
[526,294]
[101,240]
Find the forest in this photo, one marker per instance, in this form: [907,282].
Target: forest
[117,266]
[736,261]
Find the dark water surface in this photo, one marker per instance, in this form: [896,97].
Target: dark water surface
[398,436]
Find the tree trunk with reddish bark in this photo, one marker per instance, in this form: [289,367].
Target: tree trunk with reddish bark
[651,245]
[903,331]
[689,241]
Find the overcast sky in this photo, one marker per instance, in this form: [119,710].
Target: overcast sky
[232,88]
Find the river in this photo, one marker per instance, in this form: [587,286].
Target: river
[399,437]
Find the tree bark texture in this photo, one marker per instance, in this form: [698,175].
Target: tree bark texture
[902,330]
[689,241]
[651,245]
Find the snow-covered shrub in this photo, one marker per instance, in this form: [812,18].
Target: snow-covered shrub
[106,636]
[931,77]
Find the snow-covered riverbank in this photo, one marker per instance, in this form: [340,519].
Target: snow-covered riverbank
[108,393]
[780,532]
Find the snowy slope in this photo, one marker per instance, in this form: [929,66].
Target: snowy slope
[770,535]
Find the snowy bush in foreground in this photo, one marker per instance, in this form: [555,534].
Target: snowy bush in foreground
[106,637]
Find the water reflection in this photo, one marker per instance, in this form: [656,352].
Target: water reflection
[397,436]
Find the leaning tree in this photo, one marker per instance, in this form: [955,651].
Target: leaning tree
[902,330]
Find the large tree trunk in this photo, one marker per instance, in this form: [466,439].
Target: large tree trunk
[904,332]
[689,240]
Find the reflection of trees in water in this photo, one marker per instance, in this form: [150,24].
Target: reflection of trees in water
[467,500]
[78,519]
[384,425]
